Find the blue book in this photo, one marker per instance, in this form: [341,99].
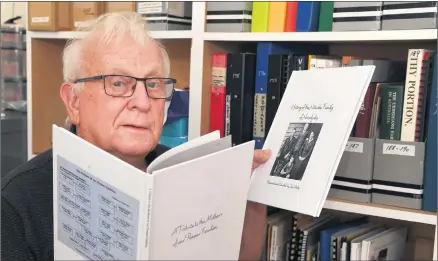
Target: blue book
[264,49]
[172,142]
[430,170]
[326,237]
[308,16]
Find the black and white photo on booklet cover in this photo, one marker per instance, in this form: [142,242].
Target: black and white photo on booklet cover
[296,149]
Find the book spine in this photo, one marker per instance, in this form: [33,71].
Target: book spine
[300,63]
[307,16]
[240,96]
[233,80]
[391,112]
[291,251]
[273,92]
[247,102]
[363,120]
[426,83]
[273,246]
[303,253]
[260,16]
[294,245]
[218,90]
[286,71]
[414,101]
[430,165]
[149,200]
[334,248]
[277,16]
[300,252]
[261,86]
[326,16]
[291,17]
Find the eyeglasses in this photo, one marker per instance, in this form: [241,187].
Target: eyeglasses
[124,86]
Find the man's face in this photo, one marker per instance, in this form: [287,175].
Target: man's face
[126,127]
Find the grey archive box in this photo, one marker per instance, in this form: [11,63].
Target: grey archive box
[407,15]
[353,178]
[398,173]
[163,16]
[357,16]
[229,16]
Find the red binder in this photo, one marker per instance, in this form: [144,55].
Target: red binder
[218,93]
[291,17]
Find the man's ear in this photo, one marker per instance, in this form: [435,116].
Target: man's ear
[71,101]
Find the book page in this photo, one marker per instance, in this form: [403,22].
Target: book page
[192,153]
[199,206]
[215,135]
[308,136]
[98,202]
[340,153]
[84,201]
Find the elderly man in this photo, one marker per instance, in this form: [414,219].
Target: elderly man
[116,85]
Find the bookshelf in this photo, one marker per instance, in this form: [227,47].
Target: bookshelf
[190,55]
[372,36]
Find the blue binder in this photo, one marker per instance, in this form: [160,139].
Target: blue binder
[308,16]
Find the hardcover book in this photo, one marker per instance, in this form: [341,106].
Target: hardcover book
[308,137]
[189,204]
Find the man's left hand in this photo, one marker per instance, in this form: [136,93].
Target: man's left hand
[260,157]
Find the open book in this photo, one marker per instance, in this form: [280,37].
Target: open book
[308,137]
[188,205]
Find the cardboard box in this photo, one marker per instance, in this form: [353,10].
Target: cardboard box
[49,16]
[112,7]
[85,11]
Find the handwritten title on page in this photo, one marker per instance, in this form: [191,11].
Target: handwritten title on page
[196,229]
[309,112]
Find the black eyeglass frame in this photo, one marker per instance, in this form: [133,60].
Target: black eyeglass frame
[102,77]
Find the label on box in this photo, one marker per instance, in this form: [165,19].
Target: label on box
[81,23]
[398,149]
[354,146]
[149,7]
[40,19]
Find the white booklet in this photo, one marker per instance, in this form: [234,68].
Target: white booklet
[308,137]
[188,205]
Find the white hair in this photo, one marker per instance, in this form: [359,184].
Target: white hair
[108,27]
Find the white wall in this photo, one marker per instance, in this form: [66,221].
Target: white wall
[11,9]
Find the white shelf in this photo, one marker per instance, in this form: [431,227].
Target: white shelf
[75,35]
[371,36]
[360,36]
[377,210]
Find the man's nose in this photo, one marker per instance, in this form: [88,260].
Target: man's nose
[140,98]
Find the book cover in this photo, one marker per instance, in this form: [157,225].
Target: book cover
[188,205]
[308,137]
